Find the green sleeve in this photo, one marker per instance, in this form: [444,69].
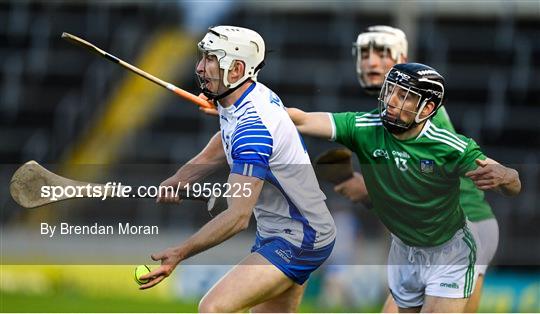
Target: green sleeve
[344,123]
[442,120]
[467,160]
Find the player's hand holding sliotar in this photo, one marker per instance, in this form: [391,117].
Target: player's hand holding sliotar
[169,259]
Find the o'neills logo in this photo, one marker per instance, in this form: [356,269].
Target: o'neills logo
[452,285]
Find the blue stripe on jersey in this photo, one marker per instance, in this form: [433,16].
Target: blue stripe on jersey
[250,111]
[252,149]
[254,128]
[243,106]
[249,126]
[251,170]
[309,233]
[247,120]
[251,136]
[239,101]
[303,143]
[251,119]
[251,142]
[248,146]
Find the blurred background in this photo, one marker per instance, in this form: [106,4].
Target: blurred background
[86,118]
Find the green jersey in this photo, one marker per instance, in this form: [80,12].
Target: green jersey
[471,199]
[414,183]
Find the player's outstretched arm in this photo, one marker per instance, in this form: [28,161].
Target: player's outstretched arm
[207,161]
[491,175]
[222,227]
[317,124]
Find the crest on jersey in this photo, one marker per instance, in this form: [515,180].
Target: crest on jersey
[427,165]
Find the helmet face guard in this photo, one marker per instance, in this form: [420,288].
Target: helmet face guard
[367,52]
[204,79]
[388,42]
[407,89]
[397,105]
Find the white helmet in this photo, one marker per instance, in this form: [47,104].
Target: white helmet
[229,43]
[381,36]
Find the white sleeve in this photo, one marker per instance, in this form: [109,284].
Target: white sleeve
[333,137]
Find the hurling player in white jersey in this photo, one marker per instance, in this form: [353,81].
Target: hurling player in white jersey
[295,231]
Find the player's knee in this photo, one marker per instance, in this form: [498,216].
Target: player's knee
[211,305]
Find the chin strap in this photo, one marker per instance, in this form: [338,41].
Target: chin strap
[215,97]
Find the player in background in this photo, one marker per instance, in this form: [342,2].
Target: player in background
[411,170]
[295,231]
[376,51]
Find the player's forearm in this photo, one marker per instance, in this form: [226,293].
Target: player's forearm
[511,185]
[316,124]
[207,161]
[297,116]
[228,223]
[222,227]
[212,154]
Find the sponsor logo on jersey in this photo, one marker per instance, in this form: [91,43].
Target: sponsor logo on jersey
[380,153]
[401,159]
[401,154]
[286,255]
[427,165]
[452,285]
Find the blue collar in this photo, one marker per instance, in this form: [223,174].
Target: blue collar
[239,100]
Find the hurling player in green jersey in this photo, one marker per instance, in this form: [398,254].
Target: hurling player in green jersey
[377,50]
[412,170]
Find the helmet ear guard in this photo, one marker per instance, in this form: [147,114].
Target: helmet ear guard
[427,99]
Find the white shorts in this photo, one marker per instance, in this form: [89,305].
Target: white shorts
[487,240]
[447,270]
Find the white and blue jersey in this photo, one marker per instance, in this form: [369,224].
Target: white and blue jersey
[260,140]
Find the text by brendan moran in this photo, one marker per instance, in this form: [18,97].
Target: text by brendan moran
[96,229]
